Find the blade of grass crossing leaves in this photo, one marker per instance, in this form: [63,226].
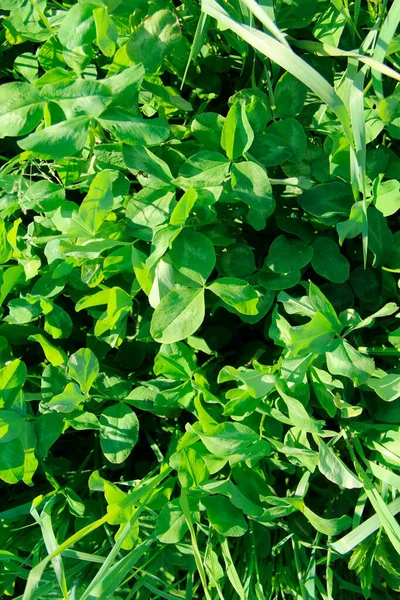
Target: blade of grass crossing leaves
[231,570]
[262,15]
[44,520]
[287,59]
[198,41]
[358,166]
[36,573]
[386,35]
[197,557]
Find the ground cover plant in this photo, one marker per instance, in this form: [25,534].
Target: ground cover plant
[199,269]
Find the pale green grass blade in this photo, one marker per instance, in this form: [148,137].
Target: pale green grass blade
[45,523]
[36,573]
[287,59]
[385,475]
[322,49]
[183,500]
[198,41]
[262,15]
[231,570]
[386,35]
[358,170]
[360,533]
[139,497]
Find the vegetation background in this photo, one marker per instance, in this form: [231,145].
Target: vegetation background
[199,268]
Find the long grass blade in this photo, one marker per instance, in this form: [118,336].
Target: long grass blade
[386,35]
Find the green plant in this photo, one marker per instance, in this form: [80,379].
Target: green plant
[199,345]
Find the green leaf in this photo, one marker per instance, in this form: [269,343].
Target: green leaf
[98,202]
[192,470]
[334,468]
[153,40]
[12,457]
[236,293]
[251,185]
[54,355]
[226,439]
[193,254]
[179,314]
[12,378]
[21,109]
[327,201]
[328,262]
[171,524]
[204,169]
[11,426]
[288,255]
[270,150]
[119,430]
[387,199]
[134,130]
[348,362]
[289,96]
[106,31]
[224,517]
[68,401]
[387,387]
[237,135]
[78,98]
[57,141]
[83,366]
[183,207]
[77,27]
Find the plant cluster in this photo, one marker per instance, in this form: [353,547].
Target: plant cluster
[199,289]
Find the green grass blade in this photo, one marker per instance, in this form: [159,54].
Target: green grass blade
[386,35]
[287,59]
[261,14]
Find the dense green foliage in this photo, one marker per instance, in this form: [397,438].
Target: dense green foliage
[199,268]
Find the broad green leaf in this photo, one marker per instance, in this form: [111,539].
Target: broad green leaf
[57,141]
[293,133]
[387,199]
[236,293]
[348,362]
[179,314]
[133,130]
[204,169]
[78,98]
[289,96]
[12,457]
[251,185]
[83,366]
[334,468]
[193,254]
[315,336]
[207,128]
[192,470]
[387,388]
[68,401]
[288,255]
[329,527]
[11,426]
[54,355]
[237,135]
[183,207]
[106,31]
[77,27]
[139,158]
[226,439]
[224,517]
[257,384]
[270,150]
[328,262]
[171,524]
[98,202]
[21,109]
[328,201]
[257,107]
[153,40]
[119,428]
[12,378]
